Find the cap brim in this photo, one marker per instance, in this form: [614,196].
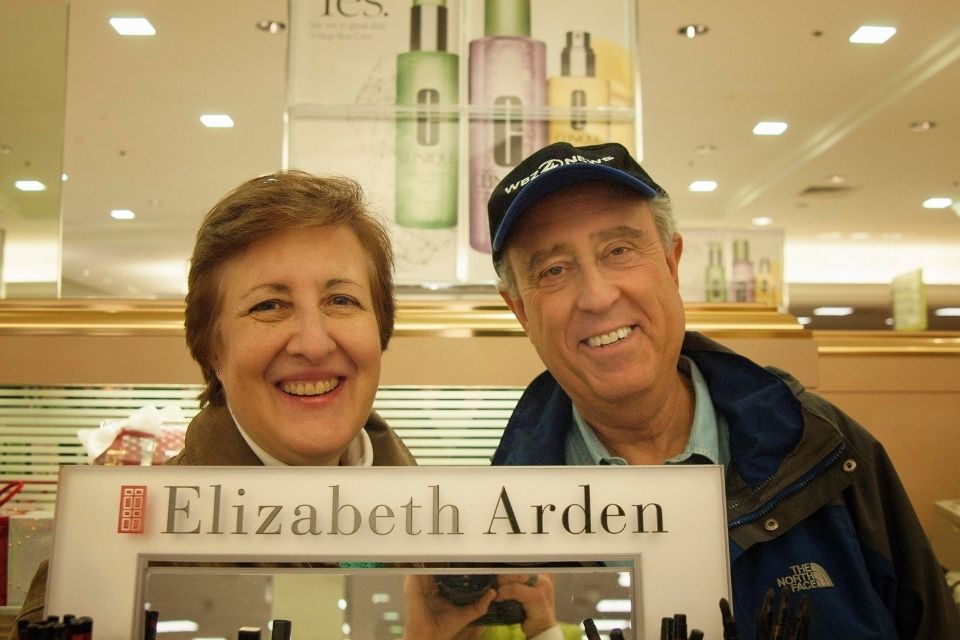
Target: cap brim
[558,178]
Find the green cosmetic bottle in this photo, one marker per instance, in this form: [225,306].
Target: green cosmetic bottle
[427,123]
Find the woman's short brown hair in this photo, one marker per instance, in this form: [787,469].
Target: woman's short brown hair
[251,212]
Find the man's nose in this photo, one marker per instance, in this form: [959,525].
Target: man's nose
[597,292]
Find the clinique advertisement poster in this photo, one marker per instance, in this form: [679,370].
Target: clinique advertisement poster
[429,103]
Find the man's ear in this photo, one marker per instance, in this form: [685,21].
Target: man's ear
[516,306]
[673,258]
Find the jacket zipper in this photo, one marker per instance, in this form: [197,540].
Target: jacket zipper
[771,504]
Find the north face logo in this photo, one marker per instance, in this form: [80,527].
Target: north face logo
[133,507]
[806,576]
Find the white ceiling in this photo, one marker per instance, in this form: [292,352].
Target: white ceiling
[133,138]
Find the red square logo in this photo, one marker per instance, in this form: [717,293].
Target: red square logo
[133,508]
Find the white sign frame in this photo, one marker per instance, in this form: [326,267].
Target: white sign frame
[672,517]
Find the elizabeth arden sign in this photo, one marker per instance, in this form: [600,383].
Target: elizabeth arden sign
[664,525]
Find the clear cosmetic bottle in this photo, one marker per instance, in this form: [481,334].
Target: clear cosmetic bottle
[742,272]
[715,280]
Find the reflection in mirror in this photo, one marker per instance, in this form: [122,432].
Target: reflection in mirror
[366,602]
[32,70]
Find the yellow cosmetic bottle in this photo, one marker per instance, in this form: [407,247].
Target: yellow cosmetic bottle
[575,95]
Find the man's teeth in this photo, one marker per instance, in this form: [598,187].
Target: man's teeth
[609,338]
[310,388]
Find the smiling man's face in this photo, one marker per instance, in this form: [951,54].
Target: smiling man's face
[598,294]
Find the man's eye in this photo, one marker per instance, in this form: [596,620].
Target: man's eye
[622,253]
[552,272]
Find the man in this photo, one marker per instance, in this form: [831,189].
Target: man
[587,251]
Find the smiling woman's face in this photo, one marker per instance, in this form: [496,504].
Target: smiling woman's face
[298,348]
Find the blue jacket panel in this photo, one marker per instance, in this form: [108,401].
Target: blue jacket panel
[813,503]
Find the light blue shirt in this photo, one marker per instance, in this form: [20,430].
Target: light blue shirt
[709,437]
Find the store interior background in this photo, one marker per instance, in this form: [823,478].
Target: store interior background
[119,117]
[110,122]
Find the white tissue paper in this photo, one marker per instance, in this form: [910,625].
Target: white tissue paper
[147,436]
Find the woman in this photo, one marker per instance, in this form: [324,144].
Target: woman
[289,308]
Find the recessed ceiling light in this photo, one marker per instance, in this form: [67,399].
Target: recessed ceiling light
[922,125]
[860,235]
[762,221]
[833,311]
[271,26]
[872,34]
[217,120]
[614,605]
[937,203]
[804,320]
[132,26]
[176,626]
[948,312]
[838,178]
[769,128]
[693,30]
[703,185]
[30,185]
[64,177]
[122,214]
[829,235]
[892,236]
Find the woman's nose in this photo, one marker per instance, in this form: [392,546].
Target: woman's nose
[311,338]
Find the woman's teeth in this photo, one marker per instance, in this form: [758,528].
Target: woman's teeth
[310,388]
[609,338]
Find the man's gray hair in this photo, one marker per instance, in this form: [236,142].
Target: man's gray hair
[660,207]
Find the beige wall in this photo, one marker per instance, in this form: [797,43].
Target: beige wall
[911,403]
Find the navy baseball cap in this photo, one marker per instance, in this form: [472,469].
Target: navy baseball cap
[554,167]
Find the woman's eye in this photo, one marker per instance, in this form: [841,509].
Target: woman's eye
[342,300]
[266,305]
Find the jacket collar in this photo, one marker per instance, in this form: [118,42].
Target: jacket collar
[213,439]
[761,411]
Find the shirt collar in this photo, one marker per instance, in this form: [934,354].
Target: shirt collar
[359,453]
[709,440]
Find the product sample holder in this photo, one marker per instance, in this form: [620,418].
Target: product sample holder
[666,523]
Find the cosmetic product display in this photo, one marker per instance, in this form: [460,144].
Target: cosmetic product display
[150,625]
[427,152]
[590,630]
[766,285]
[742,275]
[715,279]
[282,630]
[576,94]
[507,80]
